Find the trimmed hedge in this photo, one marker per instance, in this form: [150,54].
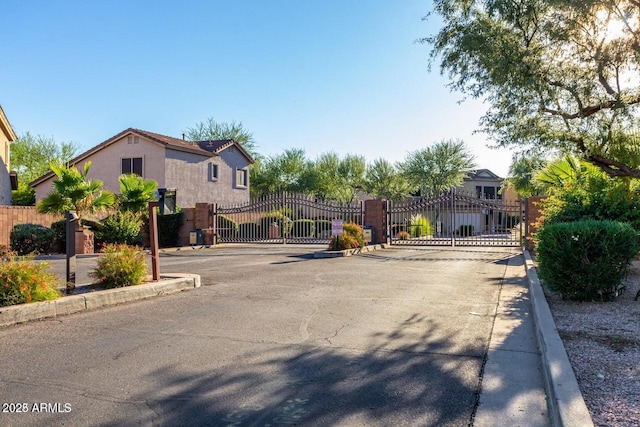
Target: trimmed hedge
[247,230]
[28,239]
[227,228]
[586,260]
[303,228]
[168,229]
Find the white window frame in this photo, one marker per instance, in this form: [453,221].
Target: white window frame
[214,172]
[242,178]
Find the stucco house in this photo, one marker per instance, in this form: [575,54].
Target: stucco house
[8,178]
[203,171]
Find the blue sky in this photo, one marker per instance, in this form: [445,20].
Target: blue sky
[324,75]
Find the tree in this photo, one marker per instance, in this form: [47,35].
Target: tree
[522,174]
[438,168]
[337,179]
[73,190]
[136,193]
[30,157]
[557,75]
[210,130]
[384,181]
[283,172]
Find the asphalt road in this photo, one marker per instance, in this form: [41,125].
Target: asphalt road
[274,337]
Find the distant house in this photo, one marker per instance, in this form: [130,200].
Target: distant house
[204,171]
[8,179]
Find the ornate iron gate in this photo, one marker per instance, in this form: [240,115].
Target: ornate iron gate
[456,219]
[283,218]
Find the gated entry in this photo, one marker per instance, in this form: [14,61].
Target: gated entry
[283,218]
[456,218]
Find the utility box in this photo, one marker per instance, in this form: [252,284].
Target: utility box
[167,199]
[369,234]
[195,237]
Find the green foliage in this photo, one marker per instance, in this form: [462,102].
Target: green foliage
[227,227]
[23,196]
[438,168]
[119,266]
[210,130]
[30,239]
[73,190]
[270,221]
[168,229]
[384,181]
[25,281]
[285,172]
[303,228]
[586,260]
[60,235]
[136,193]
[121,227]
[466,230]
[420,226]
[522,175]
[555,74]
[31,156]
[351,238]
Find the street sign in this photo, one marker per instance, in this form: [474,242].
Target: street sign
[337,227]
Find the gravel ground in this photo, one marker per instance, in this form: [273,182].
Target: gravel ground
[603,344]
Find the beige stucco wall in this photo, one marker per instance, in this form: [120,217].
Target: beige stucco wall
[6,136]
[106,164]
[189,174]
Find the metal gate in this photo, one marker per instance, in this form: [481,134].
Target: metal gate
[283,218]
[456,218]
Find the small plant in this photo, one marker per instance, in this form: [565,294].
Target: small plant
[419,226]
[26,281]
[270,220]
[122,227]
[352,237]
[586,260]
[121,265]
[466,230]
[28,239]
[403,235]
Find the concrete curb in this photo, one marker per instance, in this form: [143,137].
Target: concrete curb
[347,252]
[564,398]
[170,283]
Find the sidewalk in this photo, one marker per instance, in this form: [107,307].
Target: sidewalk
[526,349]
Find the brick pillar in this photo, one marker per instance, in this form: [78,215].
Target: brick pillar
[375,215]
[532,216]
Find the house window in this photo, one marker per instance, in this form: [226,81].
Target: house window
[490,192]
[242,178]
[132,165]
[213,172]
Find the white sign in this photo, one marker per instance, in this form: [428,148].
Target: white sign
[337,227]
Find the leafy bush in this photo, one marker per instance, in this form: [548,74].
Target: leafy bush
[122,227]
[119,266]
[23,197]
[420,226]
[60,235]
[247,230]
[352,237]
[30,239]
[282,221]
[323,227]
[466,230]
[403,235]
[168,229]
[26,281]
[227,228]
[586,260]
[303,228]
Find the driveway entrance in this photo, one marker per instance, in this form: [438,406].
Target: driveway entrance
[274,337]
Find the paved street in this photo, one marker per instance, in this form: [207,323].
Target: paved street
[273,337]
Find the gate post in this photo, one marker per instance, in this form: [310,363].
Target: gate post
[375,215]
[203,220]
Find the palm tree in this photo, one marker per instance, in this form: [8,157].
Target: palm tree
[73,190]
[136,193]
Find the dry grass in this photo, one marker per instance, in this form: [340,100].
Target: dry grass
[603,344]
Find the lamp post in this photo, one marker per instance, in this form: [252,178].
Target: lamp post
[71,219]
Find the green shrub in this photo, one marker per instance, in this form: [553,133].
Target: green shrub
[26,281]
[419,226]
[351,238]
[227,228]
[323,227]
[466,230]
[30,239]
[60,235]
[282,221]
[122,227]
[23,196]
[247,230]
[303,228]
[168,229]
[586,260]
[119,266]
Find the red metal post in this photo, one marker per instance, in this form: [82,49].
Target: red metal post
[153,237]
